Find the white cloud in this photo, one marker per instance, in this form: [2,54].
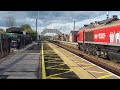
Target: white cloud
[61,20]
[67,27]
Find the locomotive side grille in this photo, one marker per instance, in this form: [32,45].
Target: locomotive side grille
[89,36]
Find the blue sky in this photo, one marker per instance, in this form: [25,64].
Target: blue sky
[61,20]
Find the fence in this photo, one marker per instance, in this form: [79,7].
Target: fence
[4,45]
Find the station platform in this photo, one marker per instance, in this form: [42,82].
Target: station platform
[23,65]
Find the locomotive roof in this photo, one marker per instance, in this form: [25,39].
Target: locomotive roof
[105,21]
[104,26]
[101,24]
[113,23]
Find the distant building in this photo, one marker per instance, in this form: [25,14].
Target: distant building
[65,37]
[73,36]
[57,37]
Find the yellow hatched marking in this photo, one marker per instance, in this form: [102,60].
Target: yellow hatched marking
[59,69]
[105,76]
[58,74]
[53,62]
[50,60]
[43,65]
[57,58]
[56,65]
[56,78]
[77,70]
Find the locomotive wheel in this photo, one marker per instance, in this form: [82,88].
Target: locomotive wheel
[86,51]
[105,55]
[79,46]
[98,53]
[93,53]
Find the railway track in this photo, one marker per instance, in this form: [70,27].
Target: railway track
[112,67]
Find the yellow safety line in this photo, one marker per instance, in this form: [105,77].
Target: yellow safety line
[97,72]
[88,67]
[77,61]
[85,64]
[58,74]
[105,76]
[43,65]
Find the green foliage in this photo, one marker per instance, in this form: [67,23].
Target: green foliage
[27,28]
[33,34]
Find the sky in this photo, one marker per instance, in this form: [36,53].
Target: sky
[61,20]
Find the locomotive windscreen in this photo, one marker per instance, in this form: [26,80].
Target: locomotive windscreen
[89,36]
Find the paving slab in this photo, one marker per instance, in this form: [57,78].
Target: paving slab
[20,73]
[20,66]
[21,77]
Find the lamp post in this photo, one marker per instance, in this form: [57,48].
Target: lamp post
[37,26]
[107,14]
[36,29]
[73,31]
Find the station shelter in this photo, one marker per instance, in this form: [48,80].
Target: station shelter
[19,38]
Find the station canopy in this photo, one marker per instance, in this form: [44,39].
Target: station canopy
[15,30]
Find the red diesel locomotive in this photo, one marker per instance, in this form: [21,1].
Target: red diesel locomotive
[102,41]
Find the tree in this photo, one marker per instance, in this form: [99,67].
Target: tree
[10,21]
[27,28]
[33,34]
